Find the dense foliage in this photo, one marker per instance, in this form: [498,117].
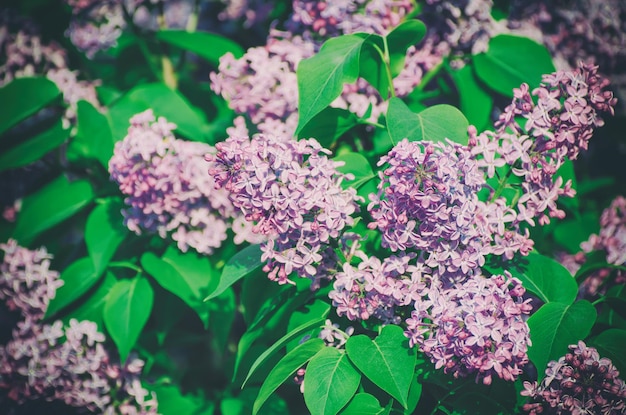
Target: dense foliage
[325,207]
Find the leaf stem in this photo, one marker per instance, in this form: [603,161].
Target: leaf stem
[385,58]
[501,185]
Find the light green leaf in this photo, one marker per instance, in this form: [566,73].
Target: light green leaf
[243,263]
[554,327]
[26,96]
[329,125]
[388,361]
[209,46]
[126,312]
[173,402]
[77,279]
[406,34]
[92,307]
[363,403]
[476,102]
[321,77]
[285,368]
[511,61]
[433,124]
[104,232]
[331,381]
[33,148]
[94,139]
[357,165]
[50,205]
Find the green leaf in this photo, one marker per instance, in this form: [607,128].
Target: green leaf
[209,46]
[280,343]
[329,125]
[554,327]
[104,232]
[241,264]
[372,66]
[570,233]
[415,393]
[433,124]
[476,102]
[317,309]
[26,96]
[92,307]
[50,205]
[331,381]
[173,402]
[166,103]
[363,403]
[610,344]
[126,312]
[33,148]
[403,36]
[511,61]
[321,77]
[357,165]
[186,275]
[222,312]
[285,368]
[94,139]
[542,276]
[77,279]
[388,361]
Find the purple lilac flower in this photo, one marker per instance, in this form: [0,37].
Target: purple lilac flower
[292,193]
[427,200]
[475,327]
[558,126]
[262,84]
[578,383]
[167,189]
[54,362]
[27,56]
[97,25]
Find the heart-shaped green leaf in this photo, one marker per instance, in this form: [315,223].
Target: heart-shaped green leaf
[26,96]
[77,278]
[104,232]
[241,264]
[388,361]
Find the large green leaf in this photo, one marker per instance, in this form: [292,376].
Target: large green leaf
[126,312]
[476,102]
[241,264]
[321,77]
[50,205]
[330,382]
[164,102]
[23,97]
[77,278]
[285,368]
[542,276]
[94,139]
[388,361]
[209,46]
[92,307]
[610,344]
[186,275]
[363,403]
[433,124]
[554,327]
[173,402]
[33,148]
[329,125]
[511,61]
[104,232]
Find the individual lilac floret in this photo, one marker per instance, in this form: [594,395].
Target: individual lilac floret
[292,192]
[54,362]
[475,327]
[427,200]
[558,126]
[166,186]
[578,383]
[262,83]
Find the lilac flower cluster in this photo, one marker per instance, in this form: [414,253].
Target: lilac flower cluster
[166,186]
[332,18]
[27,56]
[474,327]
[578,383]
[612,240]
[262,84]
[292,193]
[427,200]
[57,363]
[557,127]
